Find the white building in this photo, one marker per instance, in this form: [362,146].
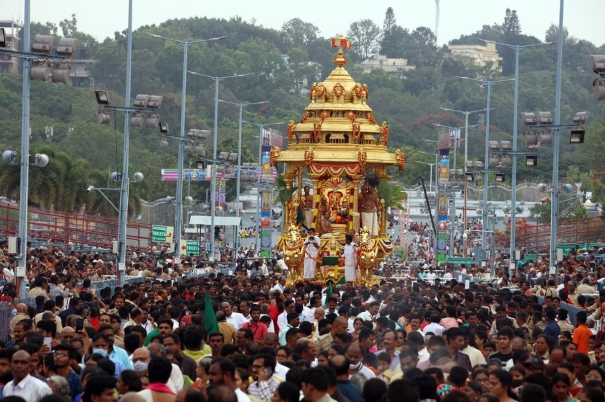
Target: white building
[390,66]
[481,55]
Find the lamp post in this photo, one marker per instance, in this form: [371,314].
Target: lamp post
[436,155]
[36,66]
[180,162]
[486,174]
[214,150]
[431,176]
[259,170]
[517,49]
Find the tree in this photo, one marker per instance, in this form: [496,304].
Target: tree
[511,26]
[365,35]
[393,36]
[298,62]
[300,33]
[69,27]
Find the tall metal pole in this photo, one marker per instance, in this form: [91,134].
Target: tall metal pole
[451,253]
[24,181]
[215,145]
[123,215]
[554,207]
[259,173]
[436,202]
[486,174]
[465,182]
[239,173]
[513,198]
[180,161]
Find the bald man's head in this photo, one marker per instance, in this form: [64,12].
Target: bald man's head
[20,367]
[340,364]
[22,308]
[340,326]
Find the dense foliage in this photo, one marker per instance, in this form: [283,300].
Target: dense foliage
[279,63]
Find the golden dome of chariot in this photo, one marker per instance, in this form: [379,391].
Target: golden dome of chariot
[339,119]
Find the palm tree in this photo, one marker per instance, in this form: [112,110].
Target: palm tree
[283,194]
[391,194]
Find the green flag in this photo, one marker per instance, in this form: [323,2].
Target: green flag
[210,322]
[300,218]
[329,291]
[342,281]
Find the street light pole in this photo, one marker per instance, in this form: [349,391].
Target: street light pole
[24,181]
[554,206]
[123,215]
[214,153]
[513,214]
[466,114]
[241,107]
[486,156]
[431,176]
[179,182]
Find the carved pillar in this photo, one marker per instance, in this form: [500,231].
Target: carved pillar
[355,213]
[316,201]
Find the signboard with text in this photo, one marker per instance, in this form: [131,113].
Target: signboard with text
[162,234]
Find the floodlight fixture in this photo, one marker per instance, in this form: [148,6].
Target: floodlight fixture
[531,160]
[43,44]
[534,148]
[494,145]
[102,97]
[200,164]
[530,137]
[544,136]
[598,87]
[40,70]
[519,209]
[505,145]
[137,120]
[220,169]
[10,157]
[90,189]
[567,188]
[500,177]
[580,118]
[544,118]
[506,160]
[40,160]
[577,136]
[116,176]
[66,47]
[164,128]
[103,117]
[198,134]
[541,187]
[152,120]
[597,63]
[189,200]
[196,149]
[494,160]
[470,176]
[163,143]
[155,101]
[506,209]
[529,119]
[141,101]
[223,156]
[232,157]
[61,73]
[3,43]
[170,200]
[138,177]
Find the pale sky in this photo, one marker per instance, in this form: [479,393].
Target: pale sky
[102,19]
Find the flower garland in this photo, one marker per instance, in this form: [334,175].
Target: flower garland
[356,130]
[305,117]
[370,117]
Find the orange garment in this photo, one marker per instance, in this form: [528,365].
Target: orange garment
[580,337]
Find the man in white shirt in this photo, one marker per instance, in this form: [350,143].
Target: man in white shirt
[431,275]
[281,285]
[434,326]
[282,321]
[235,319]
[371,313]
[23,384]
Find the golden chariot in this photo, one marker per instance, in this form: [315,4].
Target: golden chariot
[337,143]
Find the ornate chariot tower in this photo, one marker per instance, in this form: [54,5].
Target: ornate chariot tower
[343,151]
